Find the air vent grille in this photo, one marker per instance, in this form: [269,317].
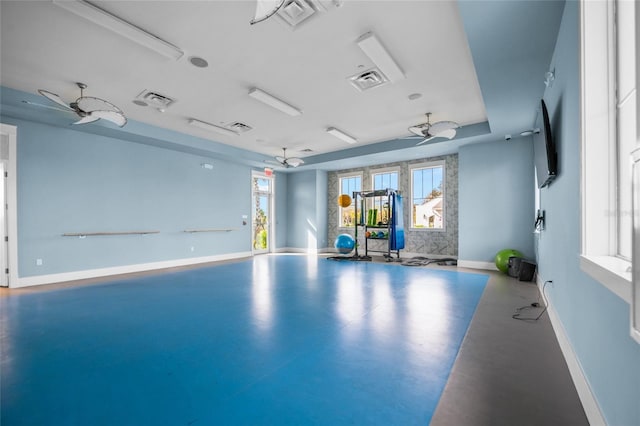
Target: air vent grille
[155,99]
[293,12]
[368,79]
[239,127]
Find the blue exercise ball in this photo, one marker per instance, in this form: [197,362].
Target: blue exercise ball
[344,243]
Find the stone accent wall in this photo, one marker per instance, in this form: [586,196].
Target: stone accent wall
[423,242]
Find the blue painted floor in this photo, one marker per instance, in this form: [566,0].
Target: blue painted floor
[271,340]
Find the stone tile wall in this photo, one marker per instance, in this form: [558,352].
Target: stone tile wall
[418,242]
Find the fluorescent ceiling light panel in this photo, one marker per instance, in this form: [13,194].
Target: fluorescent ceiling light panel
[274,102]
[211,127]
[372,47]
[120,27]
[341,135]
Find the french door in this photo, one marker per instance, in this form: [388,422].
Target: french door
[262,213]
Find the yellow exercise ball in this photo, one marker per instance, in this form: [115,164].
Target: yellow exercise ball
[344,200]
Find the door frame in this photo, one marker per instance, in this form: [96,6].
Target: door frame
[271,239]
[12,203]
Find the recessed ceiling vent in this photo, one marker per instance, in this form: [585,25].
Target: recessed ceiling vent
[239,127]
[369,79]
[155,99]
[293,12]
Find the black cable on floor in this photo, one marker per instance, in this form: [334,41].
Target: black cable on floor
[533,305]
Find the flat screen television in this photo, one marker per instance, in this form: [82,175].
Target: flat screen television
[544,149]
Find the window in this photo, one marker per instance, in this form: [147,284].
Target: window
[628,130]
[383,179]
[348,184]
[609,131]
[626,118]
[427,195]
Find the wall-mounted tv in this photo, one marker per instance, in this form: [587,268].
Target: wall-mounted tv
[544,149]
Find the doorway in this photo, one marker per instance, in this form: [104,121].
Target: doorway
[8,207]
[262,213]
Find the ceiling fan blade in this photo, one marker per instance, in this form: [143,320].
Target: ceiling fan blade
[265,9]
[419,130]
[425,140]
[47,106]
[91,103]
[281,160]
[449,134]
[113,116]
[54,98]
[273,163]
[87,119]
[295,162]
[441,126]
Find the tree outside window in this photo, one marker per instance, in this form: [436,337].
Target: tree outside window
[348,185]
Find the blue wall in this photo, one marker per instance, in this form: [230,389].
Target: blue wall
[322,199]
[496,204]
[70,181]
[307,210]
[281,213]
[595,320]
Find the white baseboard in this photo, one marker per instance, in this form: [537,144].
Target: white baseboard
[589,402]
[304,250]
[126,269]
[409,255]
[474,264]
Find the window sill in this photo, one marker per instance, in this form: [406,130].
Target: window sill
[611,272]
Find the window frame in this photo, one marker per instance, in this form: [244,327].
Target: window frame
[341,176]
[625,137]
[384,170]
[598,114]
[426,165]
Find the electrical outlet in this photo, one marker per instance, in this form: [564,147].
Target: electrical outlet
[38,262]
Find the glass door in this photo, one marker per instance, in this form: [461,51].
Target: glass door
[262,213]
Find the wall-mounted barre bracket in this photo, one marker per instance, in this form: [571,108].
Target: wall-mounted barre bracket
[192,231]
[97,234]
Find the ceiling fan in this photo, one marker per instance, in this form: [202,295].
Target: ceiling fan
[286,162]
[266,9]
[88,108]
[440,129]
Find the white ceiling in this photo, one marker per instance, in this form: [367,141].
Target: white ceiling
[44,46]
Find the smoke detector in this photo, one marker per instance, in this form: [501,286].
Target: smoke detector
[368,79]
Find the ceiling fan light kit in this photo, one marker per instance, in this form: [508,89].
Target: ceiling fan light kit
[113,23]
[372,47]
[274,102]
[341,135]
